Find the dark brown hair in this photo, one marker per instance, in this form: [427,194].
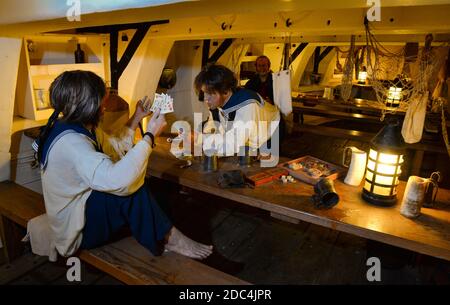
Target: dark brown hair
[216,78]
[78,95]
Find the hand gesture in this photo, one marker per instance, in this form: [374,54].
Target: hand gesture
[142,108]
[156,123]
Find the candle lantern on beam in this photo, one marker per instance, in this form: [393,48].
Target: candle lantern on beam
[383,167]
[394,96]
[362,76]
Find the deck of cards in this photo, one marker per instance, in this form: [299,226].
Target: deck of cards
[163,102]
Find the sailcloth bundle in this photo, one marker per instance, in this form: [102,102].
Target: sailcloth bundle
[282,95]
[412,128]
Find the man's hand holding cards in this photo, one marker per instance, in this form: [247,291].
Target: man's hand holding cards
[163,102]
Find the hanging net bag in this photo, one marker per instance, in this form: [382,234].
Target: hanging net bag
[402,75]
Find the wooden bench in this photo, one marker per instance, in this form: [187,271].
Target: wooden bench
[125,260]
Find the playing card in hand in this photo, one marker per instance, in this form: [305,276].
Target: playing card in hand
[163,102]
[167,106]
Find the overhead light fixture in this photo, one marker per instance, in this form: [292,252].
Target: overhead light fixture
[383,167]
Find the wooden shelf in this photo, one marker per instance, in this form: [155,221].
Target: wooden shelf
[57,69]
[20,123]
[34,80]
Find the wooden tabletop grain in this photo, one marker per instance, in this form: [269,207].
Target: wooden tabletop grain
[428,234]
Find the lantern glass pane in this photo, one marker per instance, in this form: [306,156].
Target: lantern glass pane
[386,169]
[362,76]
[367,186]
[388,158]
[371,165]
[384,180]
[379,190]
[373,154]
[369,175]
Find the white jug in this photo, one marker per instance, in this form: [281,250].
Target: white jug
[357,165]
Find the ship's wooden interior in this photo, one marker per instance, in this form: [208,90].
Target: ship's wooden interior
[265,235]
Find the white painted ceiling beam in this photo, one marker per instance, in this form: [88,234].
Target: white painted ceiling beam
[253,17]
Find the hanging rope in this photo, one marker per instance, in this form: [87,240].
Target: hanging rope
[338,64]
[347,78]
[412,74]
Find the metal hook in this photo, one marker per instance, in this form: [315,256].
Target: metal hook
[288,22]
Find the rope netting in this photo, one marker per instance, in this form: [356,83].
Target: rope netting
[347,77]
[396,73]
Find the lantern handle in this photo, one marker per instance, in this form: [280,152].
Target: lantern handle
[434,174]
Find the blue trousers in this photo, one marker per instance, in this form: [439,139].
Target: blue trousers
[106,214]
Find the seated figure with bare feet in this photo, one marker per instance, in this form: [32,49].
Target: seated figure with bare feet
[93,181]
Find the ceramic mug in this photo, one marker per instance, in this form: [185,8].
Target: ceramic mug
[325,194]
[357,165]
[414,196]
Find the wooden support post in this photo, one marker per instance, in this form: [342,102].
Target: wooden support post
[316,60]
[286,57]
[298,51]
[113,38]
[117,67]
[318,57]
[205,51]
[220,50]
[132,47]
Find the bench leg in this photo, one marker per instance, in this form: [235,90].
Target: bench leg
[12,235]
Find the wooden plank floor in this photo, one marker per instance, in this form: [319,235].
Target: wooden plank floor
[251,245]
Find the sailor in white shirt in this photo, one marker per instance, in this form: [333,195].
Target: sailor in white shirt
[88,196]
[238,117]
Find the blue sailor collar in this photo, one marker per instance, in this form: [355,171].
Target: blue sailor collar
[240,98]
[58,130]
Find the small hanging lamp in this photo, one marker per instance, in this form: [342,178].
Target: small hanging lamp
[394,96]
[362,76]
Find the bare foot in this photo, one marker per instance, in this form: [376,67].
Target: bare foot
[181,244]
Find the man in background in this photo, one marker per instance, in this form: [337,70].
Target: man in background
[261,82]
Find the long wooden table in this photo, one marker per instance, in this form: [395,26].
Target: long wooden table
[428,234]
[361,111]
